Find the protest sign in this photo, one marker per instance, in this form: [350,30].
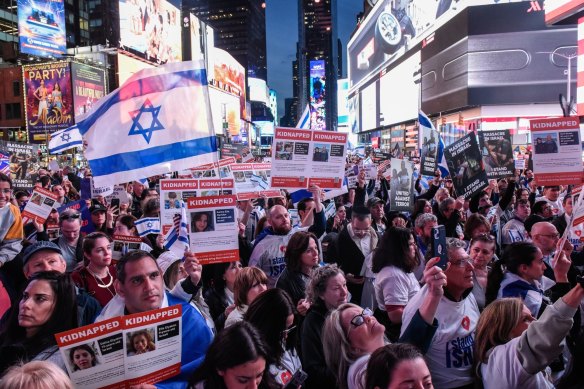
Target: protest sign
[301,158]
[557,151]
[53,231]
[23,160]
[401,185]
[239,151]
[110,354]
[213,228]
[429,151]
[124,244]
[100,191]
[465,166]
[497,151]
[252,180]
[40,205]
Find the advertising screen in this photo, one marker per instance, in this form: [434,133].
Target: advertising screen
[317,95]
[225,111]
[400,104]
[258,90]
[151,29]
[195,28]
[228,75]
[342,101]
[127,66]
[49,102]
[41,27]
[88,87]
[368,108]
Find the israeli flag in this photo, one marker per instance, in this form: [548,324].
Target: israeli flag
[65,139]
[304,121]
[157,122]
[259,181]
[147,225]
[177,238]
[442,165]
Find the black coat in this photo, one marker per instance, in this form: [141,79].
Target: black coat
[217,303]
[350,259]
[294,283]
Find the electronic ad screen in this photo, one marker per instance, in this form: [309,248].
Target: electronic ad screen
[41,27]
[317,95]
[88,87]
[151,29]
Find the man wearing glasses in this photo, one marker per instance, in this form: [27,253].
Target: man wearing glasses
[450,356]
[70,242]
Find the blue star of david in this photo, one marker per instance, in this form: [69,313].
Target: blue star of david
[65,137]
[155,125]
[149,224]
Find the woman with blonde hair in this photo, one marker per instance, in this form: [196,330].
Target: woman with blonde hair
[249,283]
[36,375]
[512,349]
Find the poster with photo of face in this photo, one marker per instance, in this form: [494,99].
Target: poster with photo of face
[465,164]
[497,152]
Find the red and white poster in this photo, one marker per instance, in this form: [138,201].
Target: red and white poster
[252,180]
[40,205]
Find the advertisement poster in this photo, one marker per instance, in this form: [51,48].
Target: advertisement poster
[239,151]
[39,205]
[304,157]
[557,151]
[49,103]
[252,180]
[317,95]
[88,87]
[497,152]
[144,348]
[213,228]
[152,29]
[401,185]
[23,162]
[41,27]
[430,140]
[466,166]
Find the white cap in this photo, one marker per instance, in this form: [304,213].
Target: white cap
[166,259]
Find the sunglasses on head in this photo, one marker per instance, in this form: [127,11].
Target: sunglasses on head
[69,217]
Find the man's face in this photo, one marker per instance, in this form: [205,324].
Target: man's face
[552,193]
[309,207]
[43,172]
[44,260]
[138,188]
[22,201]
[70,229]
[545,236]
[377,212]
[58,190]
[528,174]
[5,193]
[568,206]
[280,219]
[459,274]
[522,211]
[361,227]
[426,232]
[143,289]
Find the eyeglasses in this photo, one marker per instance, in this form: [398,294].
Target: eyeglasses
[461,263]
[360,319]
[69,217]
[7,190]
[360,231]
[551,236]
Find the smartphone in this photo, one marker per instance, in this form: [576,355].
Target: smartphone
[439,244]
[115,203]
[297,379]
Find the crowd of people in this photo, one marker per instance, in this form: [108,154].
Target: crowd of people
[352,300]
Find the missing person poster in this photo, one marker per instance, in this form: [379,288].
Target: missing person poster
[144,348]
[23,161]
[401,185]
[430,140]
[239,151]
[39,205]
[124,244]
[213,228]
[301,158]
[497,151]
[557,151]
[252,180]
[466,166]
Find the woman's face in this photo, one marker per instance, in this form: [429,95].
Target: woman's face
[427,207]
[524,322]
[412,247]
[101,255]
[256,289]
[82,359]
[365,337]
[245,376]
[122,229]
[309,258]
[411,373]
[231,273]
[482,253]
[336,292]
[36,306]
[201,224]
[342,213]
[140,343]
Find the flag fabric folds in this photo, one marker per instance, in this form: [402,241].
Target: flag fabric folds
[157,122]
[177,238]
[442,165]
[304,121]
[147,225]
[65,139]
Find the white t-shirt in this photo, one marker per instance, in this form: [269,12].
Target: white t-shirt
[356,374]
[450,357]
[393,286]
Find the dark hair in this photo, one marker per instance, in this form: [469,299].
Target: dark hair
[393,249]
[151,208]
[297,245]
[90,239]
[5,178]
[131,256]
[473,222]
[268,313]
[85,347]
[515,255]
[384,360]
[520,201]
[45,181]
[419,206]
[537,208]
[19,194]
[301,206]
[234,346]
[16,346]
[127,220]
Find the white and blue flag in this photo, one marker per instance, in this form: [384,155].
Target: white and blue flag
[259,181]
[147,225]
[177,238]
[65,139]
[157,122]
[304,121]
[441,160]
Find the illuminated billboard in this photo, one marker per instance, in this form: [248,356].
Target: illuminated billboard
[343,104]
[317,95]
[399,107]
[49,102]
[127,66]
[258,90]
[88,87]
[151,29]
[41,27]
[228,75]
[195,30]
[225,112]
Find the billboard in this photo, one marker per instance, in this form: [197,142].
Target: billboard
[343,104]
[88,87]
[400,104]
[258,90]
[127,66]
[228,75]
[369,107]
[225,111]
[317,95]
[151,29]
[41,27]
[195,30]
[49,102]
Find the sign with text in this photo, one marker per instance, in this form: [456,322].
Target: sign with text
[465,165]
[497,152]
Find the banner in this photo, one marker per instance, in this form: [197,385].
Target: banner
[49,102]
[318,95]
[301,158]
[497,151]
[40,205]
[88,87]
[143,348]
[557,151]
[252,180]
[41,27]
[23,161]
[429,150]
[401,185]
[465,165]
[213,228]
[239,151]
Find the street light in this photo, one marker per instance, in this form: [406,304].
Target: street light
[569,103]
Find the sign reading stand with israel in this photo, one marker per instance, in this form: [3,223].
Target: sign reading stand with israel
[157,122]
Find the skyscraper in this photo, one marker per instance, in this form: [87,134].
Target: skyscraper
[240,29]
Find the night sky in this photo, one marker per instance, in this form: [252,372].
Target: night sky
[282,35]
